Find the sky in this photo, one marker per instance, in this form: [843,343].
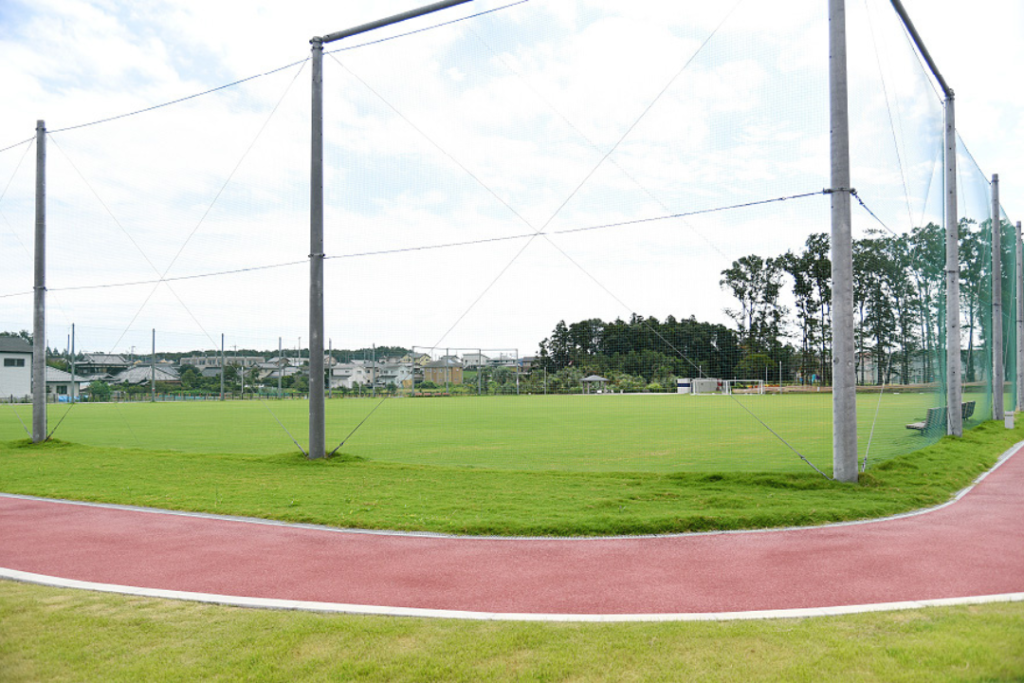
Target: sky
[511,135]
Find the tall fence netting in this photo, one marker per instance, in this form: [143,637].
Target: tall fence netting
[557,237]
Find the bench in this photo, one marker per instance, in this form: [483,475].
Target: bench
[936,418]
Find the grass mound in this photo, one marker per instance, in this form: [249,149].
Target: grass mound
[347,491]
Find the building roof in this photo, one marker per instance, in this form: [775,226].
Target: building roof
[58,375]
[14,345]
[143,373]
[103,359]
[446,362]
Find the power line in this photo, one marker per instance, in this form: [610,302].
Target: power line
[444,245]
[180,99]
[260,75]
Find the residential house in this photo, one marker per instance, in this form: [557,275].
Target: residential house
[143,374]
[101,365]
[349,375]
[398,374]
[62,386]
[445,371]
[274,369]
[15,369]
[475,360]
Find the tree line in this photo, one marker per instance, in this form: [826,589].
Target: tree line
[637,353]
[899,302]
[782,317]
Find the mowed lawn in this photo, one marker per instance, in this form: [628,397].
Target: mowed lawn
[609,433]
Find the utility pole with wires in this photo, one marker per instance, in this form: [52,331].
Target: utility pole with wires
[844,379]
[317,427]
[39,304]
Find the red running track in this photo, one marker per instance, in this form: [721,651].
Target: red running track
[973,547]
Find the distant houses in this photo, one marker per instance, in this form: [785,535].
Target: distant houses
[392,373]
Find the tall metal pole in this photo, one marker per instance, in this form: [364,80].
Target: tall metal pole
[998,374]
[39,311]
[844,407]
[222,366]
[73,383]
[954,382]
[152,370]
[317,429]
[954,376]
[1019,345]
[280,367]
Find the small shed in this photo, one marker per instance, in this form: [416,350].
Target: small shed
[594,384]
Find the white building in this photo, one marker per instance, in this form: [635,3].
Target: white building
[15,369]
[399,374]
[63,386]
[348,375]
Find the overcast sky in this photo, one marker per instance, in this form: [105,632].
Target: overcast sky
[547,116]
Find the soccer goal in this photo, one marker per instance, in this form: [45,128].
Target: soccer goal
[744,386]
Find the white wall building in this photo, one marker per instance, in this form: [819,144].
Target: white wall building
[348,375]
[15,369]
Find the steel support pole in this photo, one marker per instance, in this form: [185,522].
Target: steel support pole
[844,407]
[954,376]
[39,307]
[74,385]
[1019,341]
[222,366]
[998,374]
[152,370]
[394,19]
[954,382]
[317,429]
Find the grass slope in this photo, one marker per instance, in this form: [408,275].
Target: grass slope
[345,492]
[64,635]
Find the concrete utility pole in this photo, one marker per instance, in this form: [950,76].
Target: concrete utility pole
[954,375]
[222,367]
[74,385]
[317,428]
[998,374]
[152,370]
[1020,322]
[954,383]
[844,379]
[39,304]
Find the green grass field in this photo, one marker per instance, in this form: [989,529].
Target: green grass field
[50,634]
[612,433]
[376,494]
[227,458]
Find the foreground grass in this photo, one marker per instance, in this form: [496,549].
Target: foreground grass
[64,635]
[345,492]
